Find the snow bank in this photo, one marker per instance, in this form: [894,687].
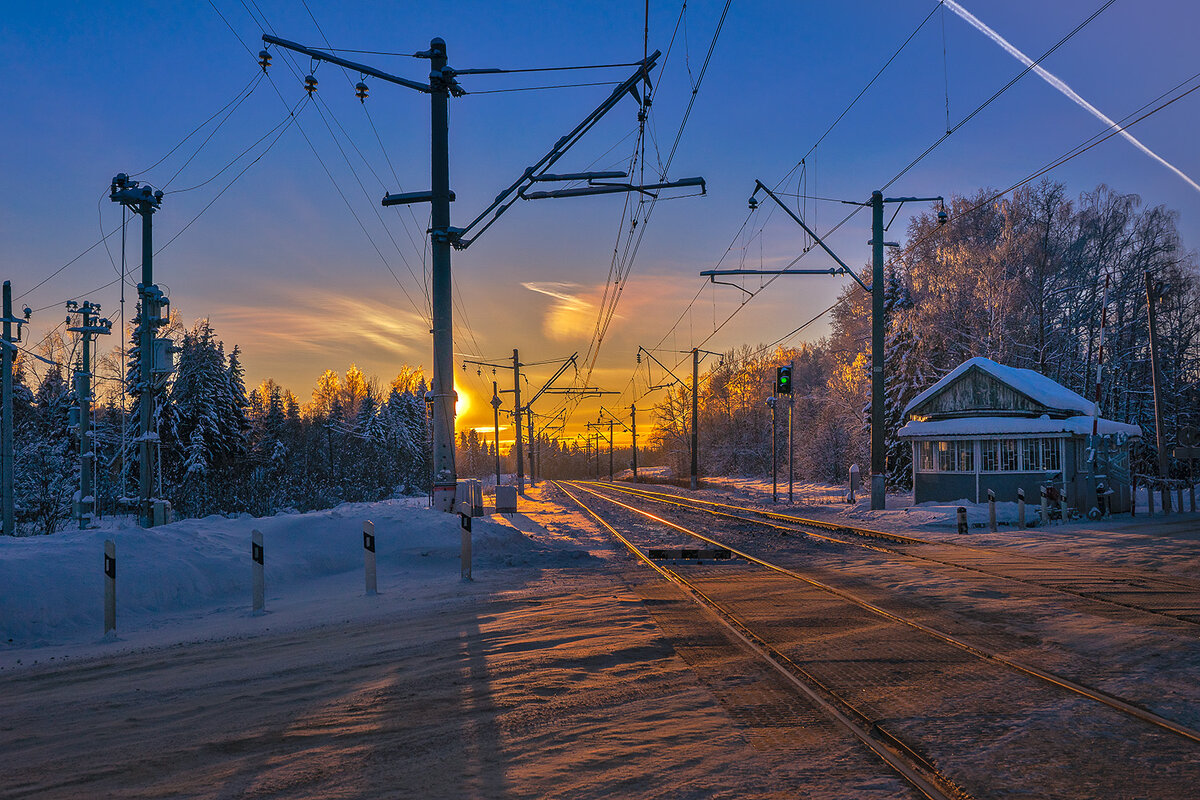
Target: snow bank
[51,587]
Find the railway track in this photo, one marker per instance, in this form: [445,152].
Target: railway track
[1155,594]
[817,644]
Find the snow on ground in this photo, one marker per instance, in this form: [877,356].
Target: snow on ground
[545,676]
[193,577]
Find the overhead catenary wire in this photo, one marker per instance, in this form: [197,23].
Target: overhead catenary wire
[279,130]
[916,160]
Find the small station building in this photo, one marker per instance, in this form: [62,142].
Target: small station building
[988,426]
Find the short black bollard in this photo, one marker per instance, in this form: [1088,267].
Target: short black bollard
[110,586]
[962,520]
[1020,508]
[256,555]
[369,556]
[465,522]
[992,510]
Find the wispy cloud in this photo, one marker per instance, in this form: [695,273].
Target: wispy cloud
[1061,86]
[573,312]
[330,325]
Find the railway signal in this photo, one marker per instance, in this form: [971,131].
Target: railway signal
[783,380]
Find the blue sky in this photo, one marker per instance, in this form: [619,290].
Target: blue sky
[282,267]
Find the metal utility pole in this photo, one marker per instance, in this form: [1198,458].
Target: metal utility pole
[533,476]
[443,236]
[90,324]
[696,356]
[1154,293]
[518,443]
[496,403]
[610,451]
[612,421]
[144,201]
[6,435]
[695,416]
[791,447]
[878,326]
[445,478]
[773,401]
[878,322]
[633,432]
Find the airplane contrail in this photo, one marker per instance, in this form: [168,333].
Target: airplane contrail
[1057,83]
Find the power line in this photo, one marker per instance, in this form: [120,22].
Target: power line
[280,129]
[911,164]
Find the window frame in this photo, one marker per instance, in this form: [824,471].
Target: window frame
[931,453]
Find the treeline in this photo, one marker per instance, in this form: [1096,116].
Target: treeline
[1021,281]
[221,449]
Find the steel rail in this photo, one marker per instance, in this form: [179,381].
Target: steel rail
[695,504]
[1060,681]
[908,765]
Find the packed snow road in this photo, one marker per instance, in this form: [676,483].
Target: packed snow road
[565,669]
[559,671]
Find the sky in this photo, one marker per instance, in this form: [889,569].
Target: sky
[291,257]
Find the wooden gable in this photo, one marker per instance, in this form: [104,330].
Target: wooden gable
[978,393]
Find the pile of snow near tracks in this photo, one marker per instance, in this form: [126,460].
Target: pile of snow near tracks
[51,587]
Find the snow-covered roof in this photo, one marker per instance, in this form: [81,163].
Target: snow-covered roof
[1033,384]
[1002,426]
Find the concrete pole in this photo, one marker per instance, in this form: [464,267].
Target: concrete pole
[444,475]
[695,417]
[633,430]
[83,397]
[1164,469]
[148,333]
[6,435]
[878,465]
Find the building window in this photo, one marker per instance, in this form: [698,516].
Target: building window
[1041,455]
[988,459]
[955,456]
[966,456]
[1008,455]
[998,455]
[1031,457]
[925,457]
[947,457]
[1050,455]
